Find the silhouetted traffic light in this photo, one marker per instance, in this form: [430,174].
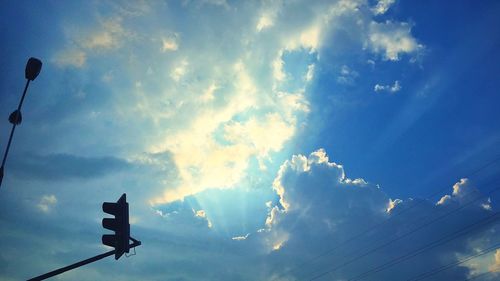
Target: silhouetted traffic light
[119,241]
[119,224]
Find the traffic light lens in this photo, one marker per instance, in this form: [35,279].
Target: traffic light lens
[111,208]
[110,224]
[109,240]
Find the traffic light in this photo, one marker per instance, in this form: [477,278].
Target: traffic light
[119,224]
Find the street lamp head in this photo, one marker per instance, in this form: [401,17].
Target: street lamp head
[33,67]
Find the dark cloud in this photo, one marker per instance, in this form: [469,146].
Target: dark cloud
[65,166]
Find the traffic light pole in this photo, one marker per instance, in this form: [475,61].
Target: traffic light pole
[81,263]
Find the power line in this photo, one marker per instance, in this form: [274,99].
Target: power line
[468,229]
[485,166]
[403,235]
[453,264]
[383,222]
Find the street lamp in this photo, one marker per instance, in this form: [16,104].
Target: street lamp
[33,67]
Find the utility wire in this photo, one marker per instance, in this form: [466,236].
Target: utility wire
[485,166]
[403,235]
[443,240]
[455,263]
[383,222]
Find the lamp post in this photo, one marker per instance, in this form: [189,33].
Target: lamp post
[33,67]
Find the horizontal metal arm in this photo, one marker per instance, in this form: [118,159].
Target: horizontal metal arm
[73,266]
[81,263]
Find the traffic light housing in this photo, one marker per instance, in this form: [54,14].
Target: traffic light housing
[119,224]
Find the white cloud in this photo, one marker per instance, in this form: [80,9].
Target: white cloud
[240,238]
[256,134]
[209,94]
[319,204]
[202,215]
[216,112]
[394,88]
[70,57]
[309,38]
[392,204]
[265,21]
[222,145]
[107,36]
[179,71]
[310,73]
[495,267]
[347,75]
[278,73]
[267,17]
[169,44]
[47,202]
[216,3]
[462,192]
[392,39]
[382,6]
[219,114]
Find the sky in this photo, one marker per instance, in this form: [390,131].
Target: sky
[255,140]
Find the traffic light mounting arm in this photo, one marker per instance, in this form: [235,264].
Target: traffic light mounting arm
[81,263]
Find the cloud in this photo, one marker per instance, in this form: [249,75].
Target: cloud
[318,208]
[65,166]
[240,238]
[265,21]
[392,39]
[216,3]
[187,215]
[70,57]
[213,115]
[382,6]
[179,71]
[495,267]
[212,100]
[321,207]
[396,87]
[107,36]
[169,44]
[47,202]
[347,76]
[278,63]
[203,216]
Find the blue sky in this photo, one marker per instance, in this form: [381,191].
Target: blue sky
[253,138]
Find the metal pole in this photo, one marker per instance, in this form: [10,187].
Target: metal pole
[12,133]
[24,94]
[73,266]
[81,263]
